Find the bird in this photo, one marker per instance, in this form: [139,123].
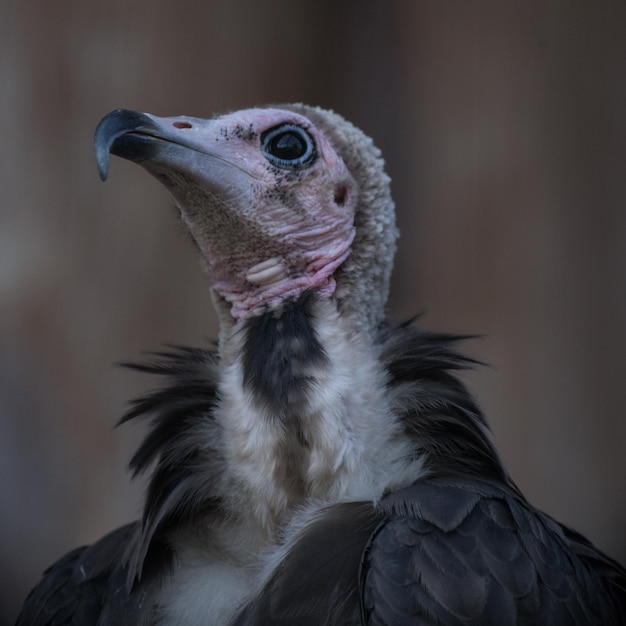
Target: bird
[319,463]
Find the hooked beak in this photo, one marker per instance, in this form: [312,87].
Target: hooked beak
[123,133]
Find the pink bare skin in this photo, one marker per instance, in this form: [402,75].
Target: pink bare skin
[273,231]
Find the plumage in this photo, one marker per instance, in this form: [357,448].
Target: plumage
[319,465]
[470,552]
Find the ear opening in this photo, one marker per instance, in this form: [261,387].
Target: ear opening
[341,195]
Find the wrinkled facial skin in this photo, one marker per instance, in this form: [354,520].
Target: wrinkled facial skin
[267,227]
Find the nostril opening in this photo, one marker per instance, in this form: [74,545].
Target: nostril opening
[182,125]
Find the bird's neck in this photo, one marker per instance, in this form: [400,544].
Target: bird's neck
[305,413]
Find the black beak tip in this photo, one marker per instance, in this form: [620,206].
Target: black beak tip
[102,159]
[113,126]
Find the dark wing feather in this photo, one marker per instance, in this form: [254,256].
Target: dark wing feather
[87,587]
[317,582]
[462,553]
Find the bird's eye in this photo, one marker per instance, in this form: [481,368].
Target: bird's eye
[288,146]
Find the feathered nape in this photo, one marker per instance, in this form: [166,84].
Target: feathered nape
[185,443]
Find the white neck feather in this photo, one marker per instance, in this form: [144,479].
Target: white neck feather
[355,449]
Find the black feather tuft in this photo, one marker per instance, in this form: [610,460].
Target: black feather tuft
[437,411]
[189,397]
[184,441]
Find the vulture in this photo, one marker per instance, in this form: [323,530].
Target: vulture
[318,465]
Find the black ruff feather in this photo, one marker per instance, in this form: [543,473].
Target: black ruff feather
[183,484]
[437,411]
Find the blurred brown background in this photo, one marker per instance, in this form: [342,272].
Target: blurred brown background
[503,125]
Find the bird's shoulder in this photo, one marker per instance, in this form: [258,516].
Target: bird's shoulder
[86,586]
[462,551]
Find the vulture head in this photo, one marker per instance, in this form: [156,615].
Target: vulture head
[279,200]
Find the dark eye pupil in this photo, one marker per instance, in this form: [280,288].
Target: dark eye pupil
[287,146]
